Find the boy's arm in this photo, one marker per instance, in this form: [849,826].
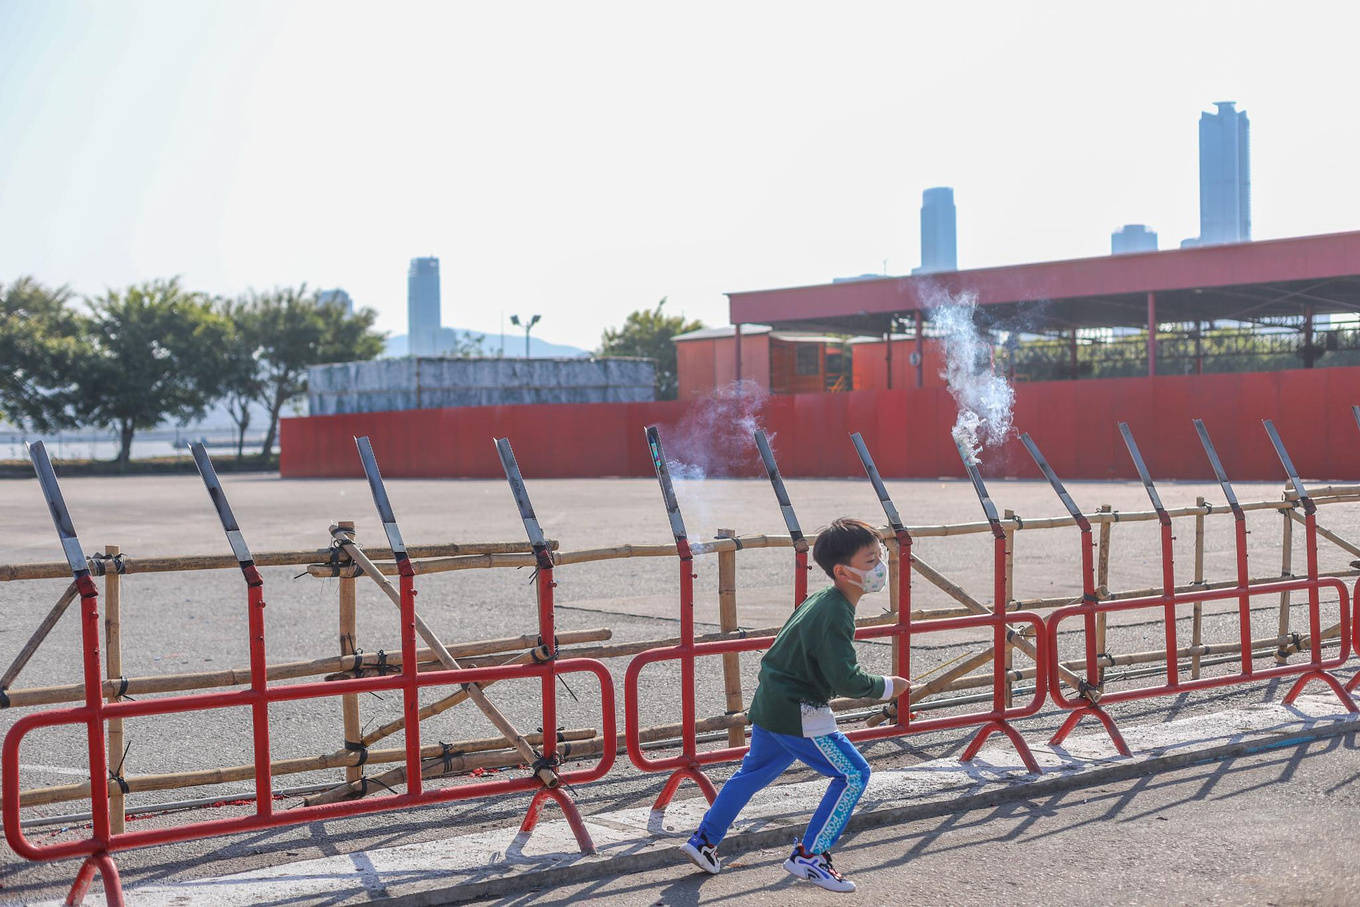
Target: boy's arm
[836,656]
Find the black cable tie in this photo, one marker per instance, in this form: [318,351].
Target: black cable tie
[118,779]
[741,633]
[382,663]
[552,655]
[1115,514]
[1019,523]
[738,542]
[122,689]
[1208,508]
[1106,655]
[446,754]
[360,748]
[4,699]
[549,762]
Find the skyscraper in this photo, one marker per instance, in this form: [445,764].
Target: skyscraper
[939,250]
[422,307]
[1133,238]
[1224,176]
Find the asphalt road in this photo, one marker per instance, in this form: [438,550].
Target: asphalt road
[195,621]
[1275,828]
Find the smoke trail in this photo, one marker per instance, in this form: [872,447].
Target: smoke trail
[714,440]
[985,400]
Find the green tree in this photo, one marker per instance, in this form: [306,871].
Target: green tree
[243,381]
[296,332]
[154,351]
[40,343]
[647,333]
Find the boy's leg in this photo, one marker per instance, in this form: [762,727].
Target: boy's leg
[836,757]
[764,762]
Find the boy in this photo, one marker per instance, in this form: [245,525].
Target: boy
[811,660]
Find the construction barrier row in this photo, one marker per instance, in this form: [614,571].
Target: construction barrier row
[1078,693]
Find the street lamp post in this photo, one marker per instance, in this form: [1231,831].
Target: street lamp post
[528,326]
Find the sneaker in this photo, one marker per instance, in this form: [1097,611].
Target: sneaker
[702,854]
[816,868]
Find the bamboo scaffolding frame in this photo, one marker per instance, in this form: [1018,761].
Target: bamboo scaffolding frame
[1197,609]
[493,714]
[498,752]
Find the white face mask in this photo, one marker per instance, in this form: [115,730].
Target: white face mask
[871,580]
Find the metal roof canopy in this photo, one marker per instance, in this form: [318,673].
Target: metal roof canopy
[1238,282]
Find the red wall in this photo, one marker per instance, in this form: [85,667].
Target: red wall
[1073,422]
[870,365]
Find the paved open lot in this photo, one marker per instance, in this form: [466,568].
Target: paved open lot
[195,621]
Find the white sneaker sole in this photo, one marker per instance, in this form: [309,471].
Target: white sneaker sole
[800,872]
[698,859]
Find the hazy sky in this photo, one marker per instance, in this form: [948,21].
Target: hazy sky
[582,160]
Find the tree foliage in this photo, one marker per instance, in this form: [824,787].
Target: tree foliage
[153,351]
[295,331]
[647,333]
[39,345]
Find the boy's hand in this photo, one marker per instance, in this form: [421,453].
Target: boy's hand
[899,685]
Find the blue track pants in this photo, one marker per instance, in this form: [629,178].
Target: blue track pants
[832,755]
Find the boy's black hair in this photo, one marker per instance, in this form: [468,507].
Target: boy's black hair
[839,542]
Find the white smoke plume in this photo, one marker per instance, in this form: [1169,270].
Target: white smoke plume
[985,399]
[715,439]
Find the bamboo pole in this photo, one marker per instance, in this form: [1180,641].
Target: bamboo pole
[894,596]
[727,621]
[955,592]
[1010,596]
[113,648]
[43,796]
[1103,585]
[1286,571]
[177,563]
[1197,610]
[175,683]
[493,714]
[349,702]
[38,636]
[1328,534]
[1041,604]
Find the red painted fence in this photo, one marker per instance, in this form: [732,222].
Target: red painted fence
[1075,421]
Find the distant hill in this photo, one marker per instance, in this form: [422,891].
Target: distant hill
[492,344]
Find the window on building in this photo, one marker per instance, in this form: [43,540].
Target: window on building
[808,359]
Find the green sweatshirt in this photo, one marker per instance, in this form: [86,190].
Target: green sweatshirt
[811,660]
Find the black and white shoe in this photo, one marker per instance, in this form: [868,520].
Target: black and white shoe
[702,854]
[817,869]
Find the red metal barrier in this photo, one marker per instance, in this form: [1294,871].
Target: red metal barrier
[98,847]
[689,762]
[1315,668]
[95,712]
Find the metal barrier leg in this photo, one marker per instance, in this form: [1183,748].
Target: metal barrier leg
[994,727]
[573,815]
[103,864]
[673,784]
[1072,719]
[1335,685]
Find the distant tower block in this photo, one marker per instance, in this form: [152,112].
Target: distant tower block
[939,247]
[422,307]
[1133,238]
[336,297]
[1224,177]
